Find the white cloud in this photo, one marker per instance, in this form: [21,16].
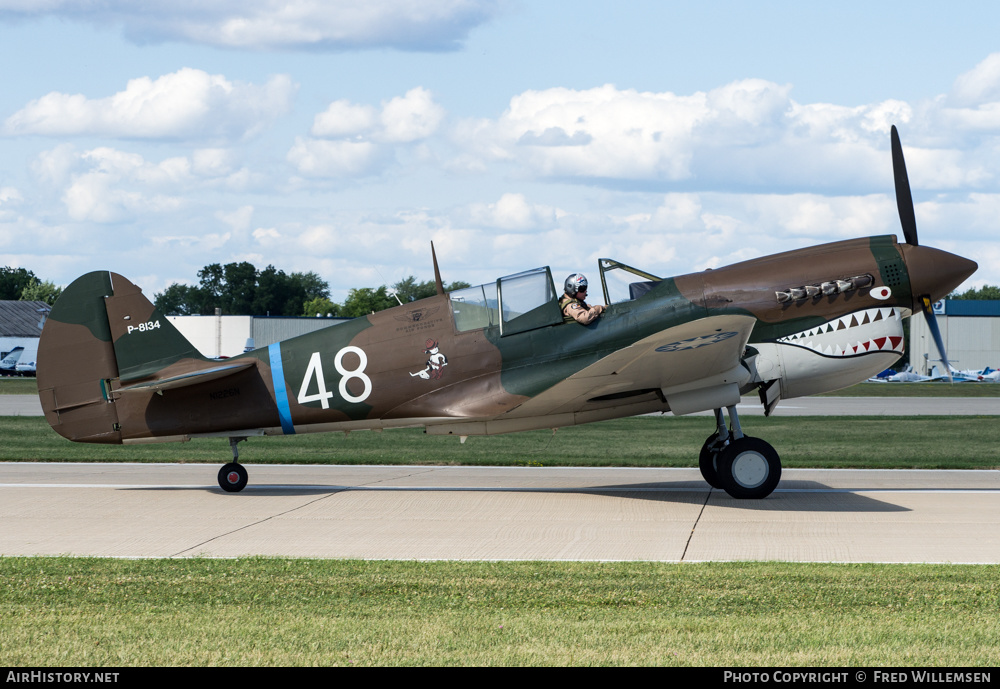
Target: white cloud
[53,167]
[106,193]
[748,134]
[677,212]
[267,235]
[979,85]
[746,112]
[512,212]
[187,104]
[607,133]
[10,196]
[356,140]
[212,162]
[343,119]
[268,25]
[321,158]
[105,185]
[610,133]
[403,119]
[411,117]
[238,220]
[10,199]
[199,245]
[666,182]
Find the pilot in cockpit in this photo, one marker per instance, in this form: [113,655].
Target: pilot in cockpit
[573,302]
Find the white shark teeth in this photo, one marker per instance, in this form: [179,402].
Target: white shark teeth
[845,345]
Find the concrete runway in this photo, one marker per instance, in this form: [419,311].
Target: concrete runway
[476,513]
[484,513]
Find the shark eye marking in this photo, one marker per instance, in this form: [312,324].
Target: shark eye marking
[695,342]
[881,293]
[827,289]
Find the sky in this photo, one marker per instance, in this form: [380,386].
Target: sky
[342,137]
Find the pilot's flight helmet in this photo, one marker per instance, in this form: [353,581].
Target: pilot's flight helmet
[574,283]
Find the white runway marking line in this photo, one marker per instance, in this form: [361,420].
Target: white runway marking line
[484,489]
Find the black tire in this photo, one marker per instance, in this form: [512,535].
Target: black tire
[748,468]
[708,461]
[233,477]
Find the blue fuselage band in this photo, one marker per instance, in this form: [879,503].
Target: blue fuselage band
[280,393]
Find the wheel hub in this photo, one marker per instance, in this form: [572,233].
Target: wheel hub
[750,469]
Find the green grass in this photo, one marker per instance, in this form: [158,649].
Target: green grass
[11,385]
[926,442]
[92,612]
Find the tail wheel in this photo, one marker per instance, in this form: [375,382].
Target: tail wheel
[708,460]
[233,477]
[748,468]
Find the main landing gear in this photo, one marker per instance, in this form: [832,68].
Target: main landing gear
[744,467]
[233,477]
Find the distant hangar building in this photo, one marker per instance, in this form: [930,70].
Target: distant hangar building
[21,326]
[970,330]
[226,336]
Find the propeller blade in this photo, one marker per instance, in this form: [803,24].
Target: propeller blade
[925,302]
[904,199]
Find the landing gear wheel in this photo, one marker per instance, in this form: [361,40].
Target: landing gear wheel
[748,468]
[233,477]
[708,461]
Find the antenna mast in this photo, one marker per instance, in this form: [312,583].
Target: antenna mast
[437,272]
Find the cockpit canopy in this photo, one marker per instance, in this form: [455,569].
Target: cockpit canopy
[619,281]
[529,300]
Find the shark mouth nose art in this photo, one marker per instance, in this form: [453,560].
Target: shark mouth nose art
[856,334]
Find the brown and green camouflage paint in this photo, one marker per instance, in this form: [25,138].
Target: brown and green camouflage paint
[408,365]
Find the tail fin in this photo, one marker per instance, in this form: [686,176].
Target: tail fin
[102,333]
[9,362]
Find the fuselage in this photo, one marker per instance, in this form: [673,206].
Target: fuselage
[809,319]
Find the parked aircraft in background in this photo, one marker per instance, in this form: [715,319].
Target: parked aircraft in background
[500,357]
[971,375]
[988,374]
[908,375]
[9,361]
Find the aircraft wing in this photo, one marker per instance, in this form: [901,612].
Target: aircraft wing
[676,363]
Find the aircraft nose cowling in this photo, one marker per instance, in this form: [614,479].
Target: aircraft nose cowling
[934,272]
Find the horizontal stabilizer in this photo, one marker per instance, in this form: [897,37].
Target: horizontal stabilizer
[192,378]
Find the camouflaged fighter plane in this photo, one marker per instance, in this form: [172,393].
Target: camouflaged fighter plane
[499,357]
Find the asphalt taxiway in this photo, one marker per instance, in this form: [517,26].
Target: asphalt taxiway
[488,513]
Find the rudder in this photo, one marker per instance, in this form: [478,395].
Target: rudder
[86,351]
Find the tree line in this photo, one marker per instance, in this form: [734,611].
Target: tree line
[241,289]
[984,292]
[22,284]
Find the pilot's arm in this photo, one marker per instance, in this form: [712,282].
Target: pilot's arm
[581,314]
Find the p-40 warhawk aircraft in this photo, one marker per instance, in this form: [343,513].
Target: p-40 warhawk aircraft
[500,357]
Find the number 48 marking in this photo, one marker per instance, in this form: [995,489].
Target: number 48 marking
[315,369]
